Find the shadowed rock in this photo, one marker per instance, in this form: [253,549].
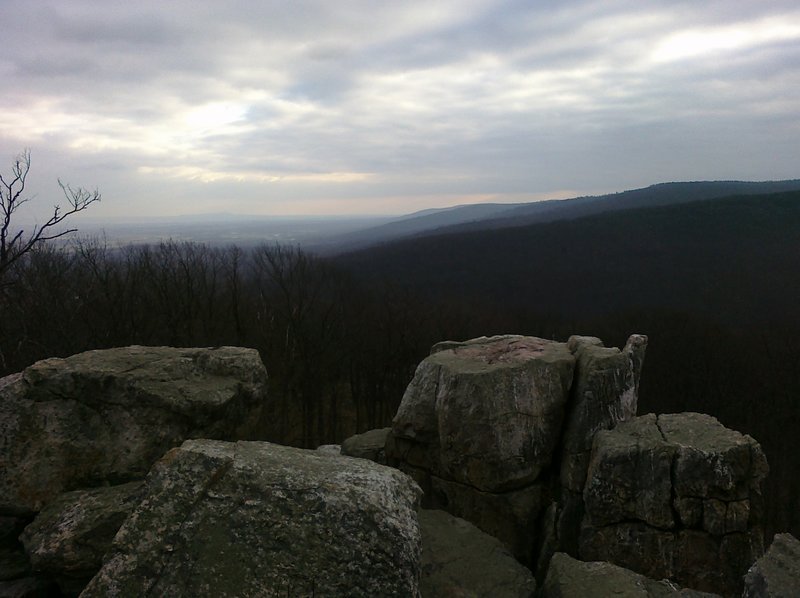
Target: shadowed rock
[68,539]
[105,416]
[570,578]
[777,573]
[460,560]
[369,445]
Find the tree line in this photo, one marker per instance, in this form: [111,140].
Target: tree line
[339,355]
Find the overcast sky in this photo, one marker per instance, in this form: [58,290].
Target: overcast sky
[341,107]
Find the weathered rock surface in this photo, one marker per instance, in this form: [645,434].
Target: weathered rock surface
[330,449]
[486,413]
[571,578]
[105,416]
[777,573]
[488,428]
[254,518]
[369,445]
[68,539]
[460,560]
[605,392]
[675,496]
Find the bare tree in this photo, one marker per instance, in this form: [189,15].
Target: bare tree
[15,243]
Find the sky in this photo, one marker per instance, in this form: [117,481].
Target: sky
[371,107]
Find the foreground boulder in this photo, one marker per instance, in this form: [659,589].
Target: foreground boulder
[675,496]
[460,560]
[777,573]
[68,539]
[105,416]
[571,578]
[255,519]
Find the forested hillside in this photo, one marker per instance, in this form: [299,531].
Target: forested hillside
[714,284]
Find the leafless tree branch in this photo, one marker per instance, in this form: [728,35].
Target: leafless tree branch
[16,243]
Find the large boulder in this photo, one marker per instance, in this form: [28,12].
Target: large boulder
[255,519]
[777,573]
[675,496]
[68,539]
[460,560]
[105,416]
[486,413]
[571,578]
[492,427]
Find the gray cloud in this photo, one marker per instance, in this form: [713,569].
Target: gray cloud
[278,107]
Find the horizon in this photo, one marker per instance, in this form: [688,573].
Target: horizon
[320,109]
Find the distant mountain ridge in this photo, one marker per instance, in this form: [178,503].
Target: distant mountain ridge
[474,217]
[733,257]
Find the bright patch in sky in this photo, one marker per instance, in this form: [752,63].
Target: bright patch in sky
[215,115]
[698,42]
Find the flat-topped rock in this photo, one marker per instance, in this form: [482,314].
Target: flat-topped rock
[675,496]
[486,413]
[105,416]
[259,519]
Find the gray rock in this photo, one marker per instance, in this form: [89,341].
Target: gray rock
[511,517]
[105,416]
[254,518]
[330,449]
[570,578]
[369,445]
[713,461]
[629,475]
[460,560]
[486,413]
[605,393]
[68,539]
[777,573]
[675,496]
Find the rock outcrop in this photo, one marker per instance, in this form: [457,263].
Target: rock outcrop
[68,539]
[675,496]
[105,416]
[570,578]
[777,573]
[254,518]
[533,442]
[481,427]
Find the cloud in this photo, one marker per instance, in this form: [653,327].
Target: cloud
[354,104]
